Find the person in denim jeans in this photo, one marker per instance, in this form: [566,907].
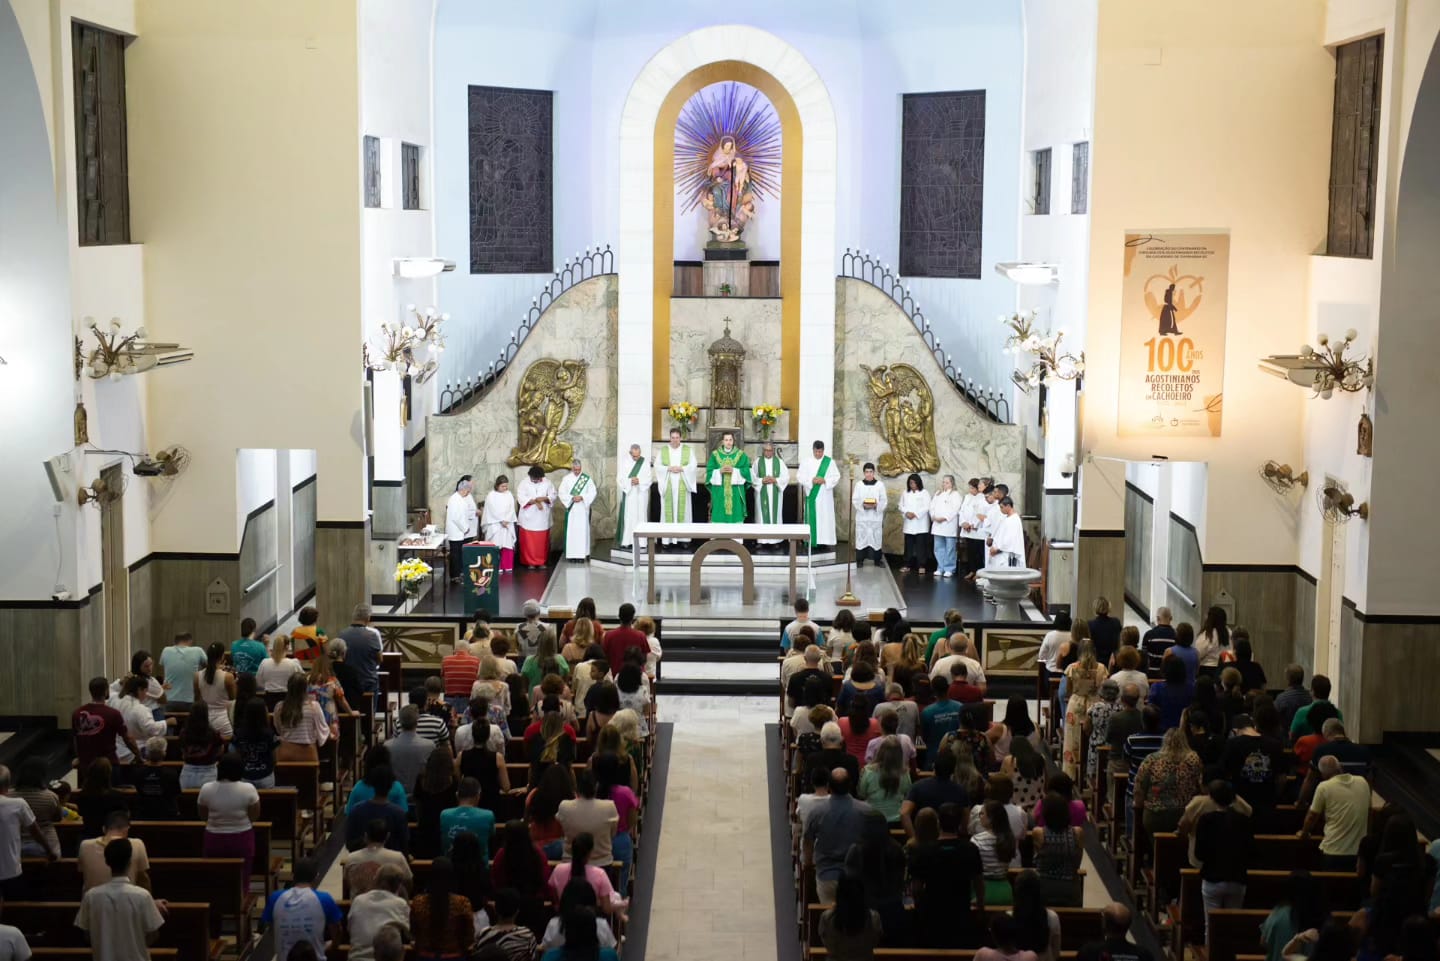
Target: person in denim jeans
[1224,846]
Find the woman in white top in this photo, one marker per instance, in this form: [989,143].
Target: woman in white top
[230,805]
[1212,641]
[945,525]
[497,521]
[140,721]
[915,518]
[216,690]
[275,672]
[1053,644]
[300,723]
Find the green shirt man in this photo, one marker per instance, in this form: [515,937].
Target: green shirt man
[727,473]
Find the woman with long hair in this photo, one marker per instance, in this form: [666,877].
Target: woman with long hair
[584,610]
[274,673]
[858,727]
[545,660]
[612,783]
[1212,644]
[886,781]
[611,741]
[300,723]
[440,919]
[581,926]
[915,523]
[1165,782]
[1016,723]
[1083,678]
[1302,909]
[215,689]
[604,704]
[325,688]
[577,897]
[910,662]
[520,863]
[1059,845]
[200,749]
[555,785]
[578,643]
[435,791]
[842,635]
[579,866]
[472,873]
[255,742]
[519,717]
[1039,926]
[553,743]
[627,723]
[878,861]
[999,851]
[1026,769]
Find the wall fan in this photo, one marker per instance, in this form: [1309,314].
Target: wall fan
[1282,477]
[166,463]
[1338,506]
[101,492]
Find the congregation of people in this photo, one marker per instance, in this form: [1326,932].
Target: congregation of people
[947,533]
[449,851]
[927,815]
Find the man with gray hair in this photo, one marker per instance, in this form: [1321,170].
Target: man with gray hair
[832,754]
[1353,758]
[633,479]
[362,649]
[795,686]
[157,787]
[408,750]
[390,943]
[833,828]
[577,492]
[1159,638]
[1342,802]
[959,654]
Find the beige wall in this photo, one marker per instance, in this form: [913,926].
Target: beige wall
[1184,139]
[244,177]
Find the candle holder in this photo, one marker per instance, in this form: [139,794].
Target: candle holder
[848,599]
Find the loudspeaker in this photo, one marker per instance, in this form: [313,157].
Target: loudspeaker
[55,469]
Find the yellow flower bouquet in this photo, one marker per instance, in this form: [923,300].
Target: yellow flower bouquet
[765,416]
[684,415]
[410,574]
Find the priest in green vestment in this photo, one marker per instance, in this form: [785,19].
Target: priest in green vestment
[771,479]
[728,474]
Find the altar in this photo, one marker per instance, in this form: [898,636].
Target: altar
[718,537]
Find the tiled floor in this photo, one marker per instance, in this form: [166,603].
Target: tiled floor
[714,897]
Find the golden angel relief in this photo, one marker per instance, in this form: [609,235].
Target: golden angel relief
[903,410]
[547,403]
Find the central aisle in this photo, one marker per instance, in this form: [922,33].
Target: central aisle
[714,894]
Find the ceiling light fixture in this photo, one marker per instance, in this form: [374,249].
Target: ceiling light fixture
[413,268]
[1029,275]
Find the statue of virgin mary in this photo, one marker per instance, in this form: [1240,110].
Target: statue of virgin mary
[727,156]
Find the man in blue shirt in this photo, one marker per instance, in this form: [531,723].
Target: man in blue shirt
[178,664]
[469,816]
[939,719]
[302,913]
[362,648]
[247,654]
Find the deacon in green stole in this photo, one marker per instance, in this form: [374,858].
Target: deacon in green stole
[675,477]
[727,474]
[771,479]
[634,483]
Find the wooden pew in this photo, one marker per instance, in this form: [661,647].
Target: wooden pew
[51,924]
[216,881]
[1264,888]
[279,805]
[86,954]
[176,839]
[1234,932]
[1172,855]
[1078,926]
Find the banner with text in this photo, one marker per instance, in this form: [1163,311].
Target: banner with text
[1172,333]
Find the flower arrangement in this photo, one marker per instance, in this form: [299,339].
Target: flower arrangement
[410,574]
[1049,359]
[765,416]
[684,415]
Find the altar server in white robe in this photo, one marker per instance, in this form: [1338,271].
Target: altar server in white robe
[537,499]
[972,527]
[497,521]
[945,512]
[634,482]
[915,524]
[869,501]
[462,522]
[1007,544]
[771,477]
[675,476]
[818,478]
[577,493]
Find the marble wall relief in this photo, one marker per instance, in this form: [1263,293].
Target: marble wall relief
[903,412]
[546,403]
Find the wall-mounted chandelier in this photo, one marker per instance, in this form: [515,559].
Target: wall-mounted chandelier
[117,354]
[1324,370]
[399,343]
[1048,358]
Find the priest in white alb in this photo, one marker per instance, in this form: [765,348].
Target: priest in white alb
[818,477]
[1007,543]
[634,482]
[577,493]
[675,476]
[497,521]
[869,501]
[537,498]
[771,477]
